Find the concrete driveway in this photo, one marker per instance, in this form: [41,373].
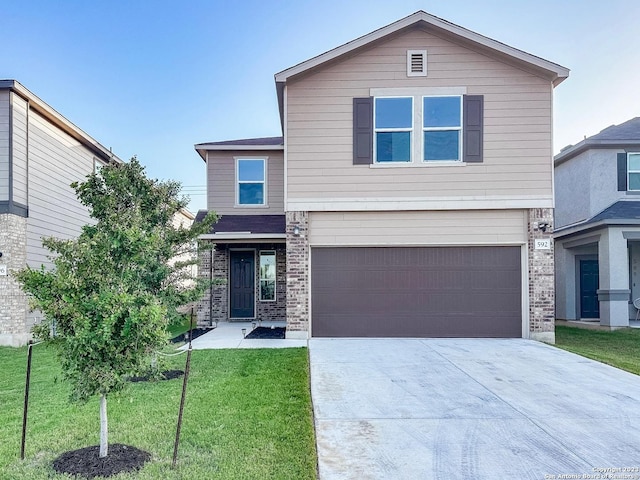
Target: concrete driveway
[470,409]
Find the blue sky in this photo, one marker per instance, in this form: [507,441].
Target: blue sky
[152,78]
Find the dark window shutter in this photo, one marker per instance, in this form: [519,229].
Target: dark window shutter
[472,130]
[622,172]
[363,131]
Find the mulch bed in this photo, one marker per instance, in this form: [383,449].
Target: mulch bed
[166,375]
[86,462]
[184,337]
[267,332]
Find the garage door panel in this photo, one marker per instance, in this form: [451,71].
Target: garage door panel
[416,292]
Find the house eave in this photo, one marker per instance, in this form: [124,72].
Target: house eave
[244,236]
[52,116]
[203,148]
[587,144]
[571,230]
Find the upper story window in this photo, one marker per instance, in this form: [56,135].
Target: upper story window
[633,171]
[442,128]
[393,126]
[438,117]
[251,181]
[406,126]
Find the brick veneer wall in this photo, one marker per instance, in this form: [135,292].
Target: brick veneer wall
[541,278]
[216,300]
[297,275]
[14,330]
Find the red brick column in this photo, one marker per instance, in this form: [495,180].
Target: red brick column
[541,276]
[297,275]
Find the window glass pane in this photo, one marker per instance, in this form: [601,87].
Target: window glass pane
[267,289]
[634,181]
[441,112]
[393,146]
[394,113]
[251,193]
[442,145]
[634,162]
[267,266]
[251,170]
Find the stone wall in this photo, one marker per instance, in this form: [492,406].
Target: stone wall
[297,275]
[14,330]
[541,277]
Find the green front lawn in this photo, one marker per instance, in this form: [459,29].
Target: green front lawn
[620,348]
[247,415]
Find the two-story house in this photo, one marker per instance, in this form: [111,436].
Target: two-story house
[410,194]
[41,154]
[597,231]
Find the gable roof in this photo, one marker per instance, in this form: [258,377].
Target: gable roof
[264,143]
[556,73]
[230,227]
[52,116]
[626,134]
[623,212]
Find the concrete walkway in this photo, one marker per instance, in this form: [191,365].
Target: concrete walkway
[481,409]
[229,335]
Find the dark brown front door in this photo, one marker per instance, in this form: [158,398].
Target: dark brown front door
[242,274]
[416,292]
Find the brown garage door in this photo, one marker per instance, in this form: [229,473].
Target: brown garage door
[416,292]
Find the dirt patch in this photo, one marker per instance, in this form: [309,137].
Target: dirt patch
[86,462]
[267,332]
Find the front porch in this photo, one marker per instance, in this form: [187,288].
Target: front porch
[598,277]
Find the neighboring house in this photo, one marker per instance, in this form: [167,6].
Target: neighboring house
[597,233]
[408,197]
[184,219]
[41,154]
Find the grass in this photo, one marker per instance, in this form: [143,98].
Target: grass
[247,416]
[619,348]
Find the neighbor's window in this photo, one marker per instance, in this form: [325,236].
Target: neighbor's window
[633,171]
[441,128]
[250,174]
[267,276]
[393,124]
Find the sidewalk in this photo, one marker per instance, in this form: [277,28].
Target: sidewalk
[229,335]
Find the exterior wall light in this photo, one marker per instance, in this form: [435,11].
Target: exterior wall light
[296,231]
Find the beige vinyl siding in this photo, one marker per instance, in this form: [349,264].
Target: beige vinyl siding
[416,228]
[221,183]
[517,126]
[20,150]
[55,161]
[4,145]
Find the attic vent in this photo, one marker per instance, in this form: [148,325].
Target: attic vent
[416,63]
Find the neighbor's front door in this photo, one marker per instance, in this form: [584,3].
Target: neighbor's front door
[242,274]
[589,284]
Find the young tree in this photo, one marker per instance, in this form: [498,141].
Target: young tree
[114,289]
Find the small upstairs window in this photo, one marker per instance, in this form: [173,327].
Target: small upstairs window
[442,128]
[393,124]
[633,171]
[251,181]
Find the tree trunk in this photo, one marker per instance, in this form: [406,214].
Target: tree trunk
[104,435]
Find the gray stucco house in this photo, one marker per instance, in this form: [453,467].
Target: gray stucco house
[597,227]
[408,195]
[41,154]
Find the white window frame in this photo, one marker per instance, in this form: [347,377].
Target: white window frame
[387,130]
[265,202]
[441,129]
[629,171]
[274,280]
